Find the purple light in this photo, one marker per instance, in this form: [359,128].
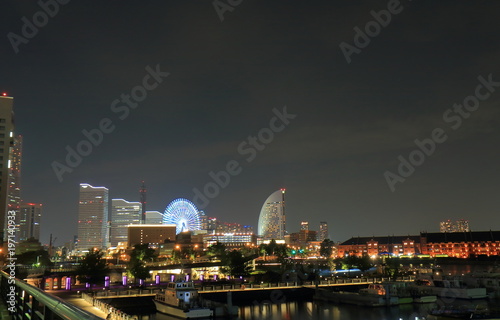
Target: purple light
[187,277]
[124,280]
[172,278]
[202,277]
[157,279]
[68,283]
[106,281]
[215,277]
[141,282]
[87,285]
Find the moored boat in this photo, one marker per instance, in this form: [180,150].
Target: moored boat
[181,300]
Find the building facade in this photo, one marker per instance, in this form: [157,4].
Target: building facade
[374,246]
[93,231]
[123,213]
[150,233]
[272,218]
[435,244]
[323,231]
[154,217]
[230,240]
[461,244]
[304,225]
[30,215]
[6,150]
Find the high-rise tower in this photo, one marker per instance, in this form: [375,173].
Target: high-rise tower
[123,213]
[142,192]
[272,218]
[29,218]
[323,230]
[93,217]
[6,149]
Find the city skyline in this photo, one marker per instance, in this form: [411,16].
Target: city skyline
[264,99]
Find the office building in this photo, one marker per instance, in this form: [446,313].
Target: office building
[123,213]
[150,233]
[154,217]
[93,231]
[304,225]
[14,196]
[6,149]
[28,221]
[272,218]
[323,231]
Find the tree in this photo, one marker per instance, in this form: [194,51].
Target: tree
[92,268]
[326,248]
[217,249]
[364,263]
[235,264]
[392,268]
[141,254]
[36,258]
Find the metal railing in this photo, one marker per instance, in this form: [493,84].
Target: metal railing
[29,302]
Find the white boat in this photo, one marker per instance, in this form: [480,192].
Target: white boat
[181,300]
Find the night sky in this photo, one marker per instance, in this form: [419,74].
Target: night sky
[226,81]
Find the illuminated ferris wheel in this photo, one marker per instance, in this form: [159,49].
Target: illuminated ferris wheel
[184,214]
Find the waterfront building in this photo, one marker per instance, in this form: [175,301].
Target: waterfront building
[435,244]
[123,213]
[6,157]
[323,231]
[461,244]
[272,218]
[28,219]
[153,234]
[93,231]
[374,246]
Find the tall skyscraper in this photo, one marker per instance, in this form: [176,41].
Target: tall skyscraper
[29,218]
[142,194]
[304,225]
[14,196]
[323,230]
[6,148]
[123,213]
[93,217]
[272,218]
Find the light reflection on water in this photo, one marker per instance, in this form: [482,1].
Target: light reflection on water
[322,311]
